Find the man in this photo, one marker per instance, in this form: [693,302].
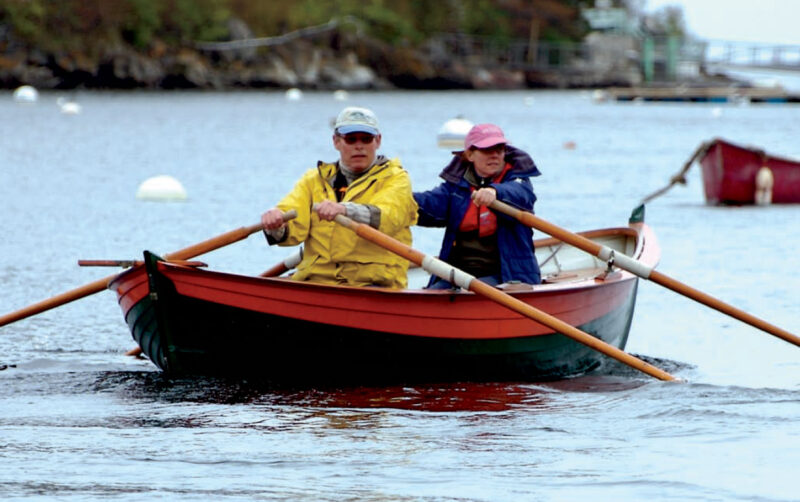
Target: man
[361,185]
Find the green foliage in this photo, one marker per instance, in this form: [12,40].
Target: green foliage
[25,16]
[143,23]
[402,21]
[84,23]
[265,18]
[482,17]
[188,20]
[388,24]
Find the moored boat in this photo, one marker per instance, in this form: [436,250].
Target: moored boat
[737,175]
[193,321]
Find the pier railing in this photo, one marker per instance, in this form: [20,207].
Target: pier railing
[514,54]
[661,58]
[750,55]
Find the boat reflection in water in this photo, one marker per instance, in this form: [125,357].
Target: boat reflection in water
[443,397]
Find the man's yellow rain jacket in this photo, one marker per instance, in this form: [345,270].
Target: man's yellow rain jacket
[334,254]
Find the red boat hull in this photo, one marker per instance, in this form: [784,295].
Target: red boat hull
[191,321]
[729,174]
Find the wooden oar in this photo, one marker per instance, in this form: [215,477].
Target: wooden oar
[460,278]
[101,284]
[284,266]
[645,272]
[134,263]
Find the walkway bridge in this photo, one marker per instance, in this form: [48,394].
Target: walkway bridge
[752,56]
[513,54]
[659,58]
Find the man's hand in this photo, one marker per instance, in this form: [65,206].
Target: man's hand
[272,219]
[327,210]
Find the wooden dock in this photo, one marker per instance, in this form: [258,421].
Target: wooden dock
[704,94]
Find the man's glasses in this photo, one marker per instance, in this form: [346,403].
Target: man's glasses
[352,139]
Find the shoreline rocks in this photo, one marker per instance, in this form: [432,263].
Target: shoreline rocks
[327,60]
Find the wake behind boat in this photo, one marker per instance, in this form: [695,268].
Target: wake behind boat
[192,321]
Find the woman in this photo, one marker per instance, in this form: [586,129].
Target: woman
[493,247]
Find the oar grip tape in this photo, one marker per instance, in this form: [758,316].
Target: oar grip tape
[294,260]
[445,271]
[625,262]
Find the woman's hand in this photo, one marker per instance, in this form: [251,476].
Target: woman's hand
[484,196]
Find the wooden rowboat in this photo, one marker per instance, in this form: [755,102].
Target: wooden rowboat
[193,321]
[736,175]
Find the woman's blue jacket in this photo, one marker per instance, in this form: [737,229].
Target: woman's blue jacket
[445,206]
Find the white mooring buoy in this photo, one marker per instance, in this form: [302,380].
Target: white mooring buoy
[26,94]
[599,96]
[161,188]
[293,94]
[453,132]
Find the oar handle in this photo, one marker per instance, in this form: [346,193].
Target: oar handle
[448,272]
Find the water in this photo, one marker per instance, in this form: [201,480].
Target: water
[81,421]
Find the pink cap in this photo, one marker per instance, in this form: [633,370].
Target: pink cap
[484,136]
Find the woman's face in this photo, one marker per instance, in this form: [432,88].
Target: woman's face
[487,161]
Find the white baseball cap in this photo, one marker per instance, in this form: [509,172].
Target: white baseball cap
[355,119]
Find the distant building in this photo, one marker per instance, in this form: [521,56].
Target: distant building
[660,57]
[614,20]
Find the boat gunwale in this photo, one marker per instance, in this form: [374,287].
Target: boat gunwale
[751,149]
[638,231]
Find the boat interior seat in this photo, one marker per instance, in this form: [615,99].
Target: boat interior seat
[574,275]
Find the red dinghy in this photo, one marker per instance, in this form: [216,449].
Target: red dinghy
[734,174]
[192,321]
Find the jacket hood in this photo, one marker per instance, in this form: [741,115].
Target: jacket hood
[522,165]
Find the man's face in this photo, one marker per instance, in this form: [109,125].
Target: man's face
[357,150]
